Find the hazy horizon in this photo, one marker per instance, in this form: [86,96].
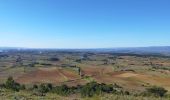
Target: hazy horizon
[84,48]
[84,23]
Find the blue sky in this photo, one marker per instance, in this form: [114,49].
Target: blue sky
[84,23]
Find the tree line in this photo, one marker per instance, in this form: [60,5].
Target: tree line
[87,90]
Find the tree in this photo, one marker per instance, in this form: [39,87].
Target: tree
[91,89]
[94,88]
[11,84]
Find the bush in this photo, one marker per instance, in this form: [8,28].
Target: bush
[157,91]
[49,86]
[43,88]
[35,86]
[63,90]
[11,84]
[107,88]
[23,87]
[94,88]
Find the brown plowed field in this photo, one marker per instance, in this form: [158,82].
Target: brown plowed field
[132,80]
[127,79]
[50,75]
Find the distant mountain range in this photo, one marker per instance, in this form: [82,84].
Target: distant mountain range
[157,49]
[139,50]
[154,49]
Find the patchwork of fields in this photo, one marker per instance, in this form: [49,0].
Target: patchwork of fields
[132,72]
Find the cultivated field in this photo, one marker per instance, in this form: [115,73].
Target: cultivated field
[133,72]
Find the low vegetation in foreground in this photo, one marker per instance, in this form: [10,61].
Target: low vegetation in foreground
[93,90]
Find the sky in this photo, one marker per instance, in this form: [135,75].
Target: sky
[84,23]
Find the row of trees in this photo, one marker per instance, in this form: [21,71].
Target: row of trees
[88,90]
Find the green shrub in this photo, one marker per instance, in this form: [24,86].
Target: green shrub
[49,86]
[43,88]
[35,86]
[23,87]
[11,84]
[157,91]
[94,88]
[63,90]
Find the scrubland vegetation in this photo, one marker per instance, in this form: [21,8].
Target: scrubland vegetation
[72,75]
[92,90]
